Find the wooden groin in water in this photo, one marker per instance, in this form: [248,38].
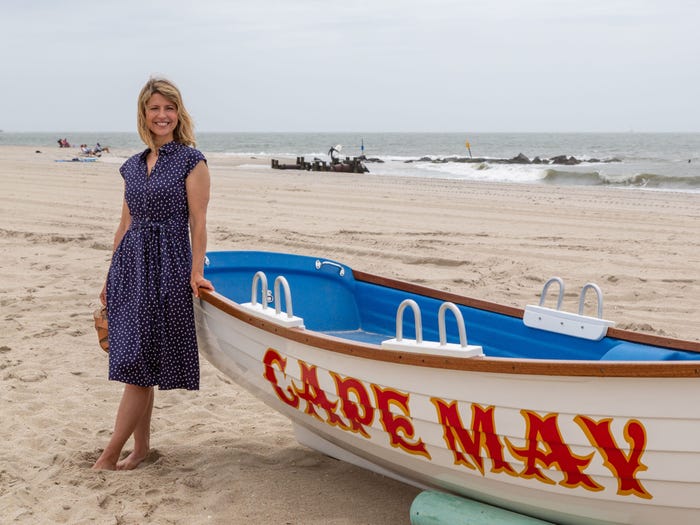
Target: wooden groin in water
[349,165]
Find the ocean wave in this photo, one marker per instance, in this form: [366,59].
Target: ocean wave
[651,180]
[640,180]
[618,175]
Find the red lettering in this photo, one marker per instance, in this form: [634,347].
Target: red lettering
[359,412]
[314,395]
[483,436]
[398,427]
[544,446]
[272,359]
[544,431]
[623,466]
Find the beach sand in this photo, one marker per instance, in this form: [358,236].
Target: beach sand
[220,456]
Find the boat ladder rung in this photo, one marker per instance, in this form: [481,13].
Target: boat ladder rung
[441,347]
[262,310]
[568,323]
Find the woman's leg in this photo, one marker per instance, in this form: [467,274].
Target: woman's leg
[142,439]
[132,409]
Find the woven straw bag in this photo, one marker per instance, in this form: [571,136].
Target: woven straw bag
[100,316]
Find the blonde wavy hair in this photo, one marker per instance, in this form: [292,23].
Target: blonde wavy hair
[184,131]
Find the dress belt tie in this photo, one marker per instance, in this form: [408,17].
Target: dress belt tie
[148,224]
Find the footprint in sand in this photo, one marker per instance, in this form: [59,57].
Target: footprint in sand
[9,363]
[193,482]
[87,460]
[51,330]
[27,377]
[33,377]
[103,500]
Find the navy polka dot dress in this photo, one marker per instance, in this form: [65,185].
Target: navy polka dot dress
[152,338]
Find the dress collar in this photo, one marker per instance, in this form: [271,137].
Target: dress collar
[170,147]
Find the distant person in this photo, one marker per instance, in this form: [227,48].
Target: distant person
[85,150]
[63,143]
[99,148]
[157,266]
[335,150]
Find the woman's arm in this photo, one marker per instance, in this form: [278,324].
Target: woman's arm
[124,223]
[198,186]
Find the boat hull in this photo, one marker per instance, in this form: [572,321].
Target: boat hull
[569,448]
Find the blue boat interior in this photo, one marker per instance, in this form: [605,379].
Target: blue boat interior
[341,306]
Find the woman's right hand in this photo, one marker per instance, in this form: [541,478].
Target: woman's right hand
[103,295]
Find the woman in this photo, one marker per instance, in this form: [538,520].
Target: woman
[155,270]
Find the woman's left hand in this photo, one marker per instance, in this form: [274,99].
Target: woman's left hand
[197,282]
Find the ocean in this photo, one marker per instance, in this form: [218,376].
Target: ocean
[665,161]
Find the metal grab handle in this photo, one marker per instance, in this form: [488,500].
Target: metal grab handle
[561,291]
[582,298]
[460,323]
[259,276]
[287,296]
[416,316]
[320,264]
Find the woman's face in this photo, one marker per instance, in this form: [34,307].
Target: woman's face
[161,118]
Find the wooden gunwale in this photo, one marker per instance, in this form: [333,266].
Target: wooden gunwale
[635,337]
[547,367]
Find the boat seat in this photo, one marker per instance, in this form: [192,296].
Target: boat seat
[639,352]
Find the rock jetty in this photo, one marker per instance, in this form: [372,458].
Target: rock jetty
[520,158]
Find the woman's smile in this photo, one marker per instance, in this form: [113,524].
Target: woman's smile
[161,118]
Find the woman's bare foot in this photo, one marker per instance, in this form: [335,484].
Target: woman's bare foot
[132,461]
[104,462]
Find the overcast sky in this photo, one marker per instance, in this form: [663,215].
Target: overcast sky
[377,65]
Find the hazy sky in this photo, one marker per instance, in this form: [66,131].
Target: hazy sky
[377,65]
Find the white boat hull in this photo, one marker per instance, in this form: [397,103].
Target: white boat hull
[504,439]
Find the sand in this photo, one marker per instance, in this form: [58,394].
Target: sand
[220,456]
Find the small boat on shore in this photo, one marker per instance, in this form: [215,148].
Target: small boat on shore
[548,413]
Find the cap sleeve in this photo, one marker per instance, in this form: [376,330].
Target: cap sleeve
[128,165]
[194,156]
